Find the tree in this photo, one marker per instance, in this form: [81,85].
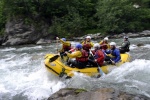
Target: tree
[120,16]
[2,17]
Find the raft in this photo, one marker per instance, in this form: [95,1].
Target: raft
[57,66]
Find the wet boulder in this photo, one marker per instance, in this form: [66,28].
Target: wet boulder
[140,44]
[18,32]
[98,94]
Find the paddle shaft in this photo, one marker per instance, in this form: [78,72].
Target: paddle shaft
[107,55]
[56,45]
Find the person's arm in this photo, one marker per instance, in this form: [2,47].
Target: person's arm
[108,51]
[83,43]
[74,55]
[61,50]
[128,42]
[101,42]
[108,46]
[92,44]
[65,42]
[117,56]
[93,52]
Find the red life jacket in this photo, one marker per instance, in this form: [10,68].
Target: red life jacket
[104,45]
[66,48]
[99,55]
[84,56]
[86,46]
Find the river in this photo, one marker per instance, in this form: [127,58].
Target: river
[24,77]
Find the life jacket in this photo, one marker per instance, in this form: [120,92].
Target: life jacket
[86,45]
[104,46]
[125,46]
[84,56]
[66,48]
[99,55]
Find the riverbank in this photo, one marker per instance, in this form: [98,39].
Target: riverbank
[18,33]
[100,36]
[144,33]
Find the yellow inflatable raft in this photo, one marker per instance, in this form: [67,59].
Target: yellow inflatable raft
[55,65]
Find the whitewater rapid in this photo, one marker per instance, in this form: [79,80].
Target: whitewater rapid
[24,77]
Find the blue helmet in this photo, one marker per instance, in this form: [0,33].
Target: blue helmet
[64,39]
[79,46]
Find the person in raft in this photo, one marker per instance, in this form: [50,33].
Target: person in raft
[115,53]
[87,44]
[66,46]
[125,45]
[98,56]
[80,55]
[104,44]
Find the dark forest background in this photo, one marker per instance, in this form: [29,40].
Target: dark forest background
[79,17]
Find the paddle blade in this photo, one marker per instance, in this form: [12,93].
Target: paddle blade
[100,71]
[53,58]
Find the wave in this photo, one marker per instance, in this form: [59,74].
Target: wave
[132,77]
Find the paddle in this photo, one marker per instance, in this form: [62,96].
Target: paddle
[109,58]
[99,68]
[57,44]
[53,58]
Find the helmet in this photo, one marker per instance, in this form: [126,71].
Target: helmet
[79,46]
[125,37]
[113,43]
[96,45]
[106,38]
[89,37]
[64,39]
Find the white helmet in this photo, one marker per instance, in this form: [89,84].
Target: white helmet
[125,37]
[96,45]
[106,38]
[89,37]
[113,43]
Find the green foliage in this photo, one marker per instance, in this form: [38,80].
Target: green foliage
[77,17]
[56,27]
[120,15]
[2,18]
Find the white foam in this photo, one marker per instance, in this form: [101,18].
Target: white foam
[14,61]
[24,74]
[41,87]
[29,48]
[8,49]
[133,46]
[146,46]
[3,89]
[132,77]
[138,64]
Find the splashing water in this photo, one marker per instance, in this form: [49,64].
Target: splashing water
[24,77]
